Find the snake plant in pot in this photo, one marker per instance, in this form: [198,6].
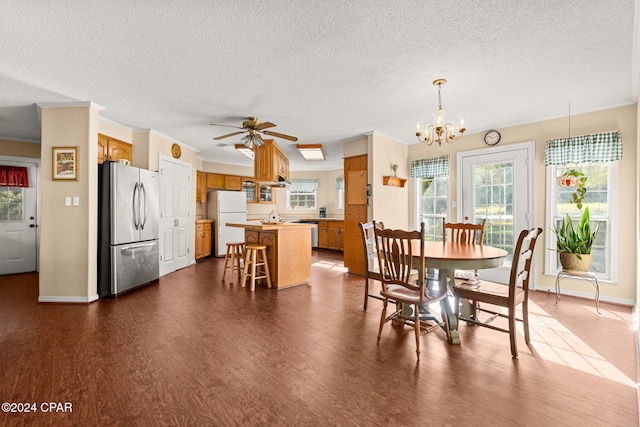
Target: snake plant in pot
[574,244]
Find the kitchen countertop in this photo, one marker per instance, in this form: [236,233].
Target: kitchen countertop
[258,226]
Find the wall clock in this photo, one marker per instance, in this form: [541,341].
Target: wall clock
[492,137]
[176,151]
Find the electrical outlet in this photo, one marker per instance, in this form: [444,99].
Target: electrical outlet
[67,201]
[76,201]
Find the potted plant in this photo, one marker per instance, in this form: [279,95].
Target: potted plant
[574,244]
[574,178]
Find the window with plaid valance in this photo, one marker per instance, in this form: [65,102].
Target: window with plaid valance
[14,176]
[431,168]
[597,147]
[303,186]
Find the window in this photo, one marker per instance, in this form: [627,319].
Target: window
[432,193]
[302,194]
[11,204]
[340,190]
[601,198]
[434,199]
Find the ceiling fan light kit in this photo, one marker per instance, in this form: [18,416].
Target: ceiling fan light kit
[254,128]
[440,131]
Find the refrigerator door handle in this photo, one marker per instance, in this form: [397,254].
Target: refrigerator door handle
[143,192]
[136,215]
[137,246]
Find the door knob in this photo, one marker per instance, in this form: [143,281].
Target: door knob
[466,218]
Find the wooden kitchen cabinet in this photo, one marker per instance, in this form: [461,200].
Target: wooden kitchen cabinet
[271,164]
[257,192]
[113,149]
[331,234]
[203,238]
[218,181]
[201,186]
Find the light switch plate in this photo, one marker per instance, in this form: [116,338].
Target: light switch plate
[76,201]
[67,201]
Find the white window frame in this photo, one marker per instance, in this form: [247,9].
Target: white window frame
[417,197]
[551,264]
[315,200]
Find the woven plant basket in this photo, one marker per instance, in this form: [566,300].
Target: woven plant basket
[571,262]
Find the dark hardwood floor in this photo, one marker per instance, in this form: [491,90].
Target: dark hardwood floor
[194,351]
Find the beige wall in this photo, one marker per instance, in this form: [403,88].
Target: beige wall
[388,204]
[68,235]
[623,119]
[19,149]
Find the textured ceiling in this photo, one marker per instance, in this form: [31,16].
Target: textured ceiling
[325,71]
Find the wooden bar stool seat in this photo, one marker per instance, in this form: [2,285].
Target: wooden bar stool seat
[235,252]
[256,259]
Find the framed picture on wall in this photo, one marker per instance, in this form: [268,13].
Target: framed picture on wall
[65,164]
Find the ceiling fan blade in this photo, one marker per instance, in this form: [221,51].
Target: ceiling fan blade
[280,135]
[227,135]
[227,126]
[265,125]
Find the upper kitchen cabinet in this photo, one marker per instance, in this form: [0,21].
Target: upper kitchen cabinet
[271,164]
[113,149]
[218,181]
[258,193]
[201,186]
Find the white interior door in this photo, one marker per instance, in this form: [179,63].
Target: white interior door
[496,184]
[18,222]
[175,214]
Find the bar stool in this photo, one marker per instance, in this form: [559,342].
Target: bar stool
[256,256]
[235,252]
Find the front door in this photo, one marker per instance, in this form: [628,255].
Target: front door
[18,222]
[496,184]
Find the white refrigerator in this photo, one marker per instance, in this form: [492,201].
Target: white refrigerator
[224,207]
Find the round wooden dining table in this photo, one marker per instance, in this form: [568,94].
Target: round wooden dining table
[449,256]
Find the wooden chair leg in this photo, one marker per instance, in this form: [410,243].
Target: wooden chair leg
[253,270]
[383,317]
[366,292]
[416,315]
[266,267]
[245,272]
[512,332]
[525,320]
[226,260]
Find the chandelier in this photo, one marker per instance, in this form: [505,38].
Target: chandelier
[440,131]
[252,139]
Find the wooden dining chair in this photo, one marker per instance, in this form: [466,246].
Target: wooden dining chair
[508,296]
[465,233]
[371,271]
[403,279]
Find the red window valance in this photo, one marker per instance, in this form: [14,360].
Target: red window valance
[14,176]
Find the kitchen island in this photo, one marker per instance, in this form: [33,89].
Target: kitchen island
[288,250]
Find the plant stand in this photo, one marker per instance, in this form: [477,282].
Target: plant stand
[587,276]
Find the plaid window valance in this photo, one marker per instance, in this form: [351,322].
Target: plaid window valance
[340,183]
[597,147]
[303,186]
[431,168]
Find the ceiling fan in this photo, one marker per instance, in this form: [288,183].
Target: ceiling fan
[254,128]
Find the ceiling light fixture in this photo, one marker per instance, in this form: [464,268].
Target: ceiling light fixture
[252,139]
[245,150]
[311,151]
[440,131]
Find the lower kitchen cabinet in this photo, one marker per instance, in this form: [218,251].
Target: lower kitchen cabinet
[203,238]
[331,234]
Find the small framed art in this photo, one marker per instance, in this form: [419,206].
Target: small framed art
[65,164]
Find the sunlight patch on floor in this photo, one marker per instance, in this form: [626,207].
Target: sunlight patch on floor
[554,342]
[336,266]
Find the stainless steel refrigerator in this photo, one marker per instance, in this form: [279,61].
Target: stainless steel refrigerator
[224,207]
[128,228]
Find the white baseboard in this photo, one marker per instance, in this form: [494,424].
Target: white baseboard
[57,299]
[586,295]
